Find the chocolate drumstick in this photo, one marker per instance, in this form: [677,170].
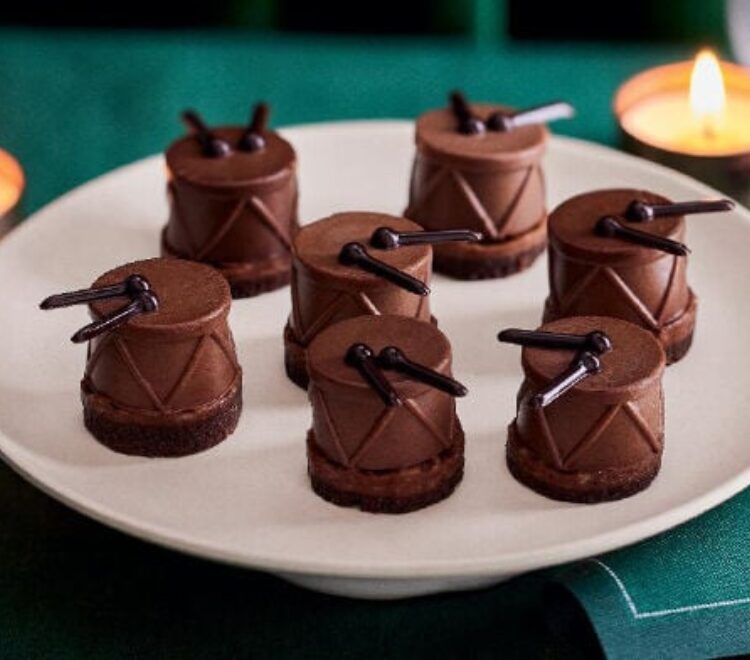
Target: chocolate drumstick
[210,144]
[385,238]
[611,227]
[393,358]
[131,286]
[145,303]
[639,211]
[354,254]
[540,114]
[252,139]
[584,366]
[596,341]
[468,123]
[361,357]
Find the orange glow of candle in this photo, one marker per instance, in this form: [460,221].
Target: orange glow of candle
[11,182]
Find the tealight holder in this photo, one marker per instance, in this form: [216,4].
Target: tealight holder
[727,167]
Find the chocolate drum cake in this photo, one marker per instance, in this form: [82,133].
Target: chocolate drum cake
[351,264]
[161,376]
[233,202]
[478,167]
[618,253]
[590,413]
[385,436]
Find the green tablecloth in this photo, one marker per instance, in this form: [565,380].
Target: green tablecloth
[75,105]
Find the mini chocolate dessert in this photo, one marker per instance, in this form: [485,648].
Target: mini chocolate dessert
[618,253]
[357,263]
[479,167]
[385,436]
[161,377]
[233,202]
[589,425]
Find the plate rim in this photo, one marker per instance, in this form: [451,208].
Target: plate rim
[499,564]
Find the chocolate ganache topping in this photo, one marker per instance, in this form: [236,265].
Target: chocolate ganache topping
[233,203]
[161,376]
[490,182]
[348,423]
[324,290]
[176,359]
[642,280]
[602,439]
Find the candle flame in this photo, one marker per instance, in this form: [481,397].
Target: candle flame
[707,94]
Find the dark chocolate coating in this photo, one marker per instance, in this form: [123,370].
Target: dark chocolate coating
[171,363]
[325,291]
[492,183]
[239,209]
[352,426]
[595,275]
[612,421]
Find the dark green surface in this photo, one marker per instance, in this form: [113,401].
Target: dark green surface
[684,594]
[74,106]
[70,588]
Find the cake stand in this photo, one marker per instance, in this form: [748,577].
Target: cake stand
[248,502]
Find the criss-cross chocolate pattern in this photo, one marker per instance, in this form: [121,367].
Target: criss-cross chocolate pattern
[340,307]
[565,301]
[250,208]
[491,223]
[443,437]
[162,402]
[627,412]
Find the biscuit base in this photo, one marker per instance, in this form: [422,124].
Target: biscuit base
[247,279]
[387,491]
[676,336]
[488,260]
[582,487]
[161,435]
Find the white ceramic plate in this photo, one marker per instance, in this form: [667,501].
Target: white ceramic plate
[248,501]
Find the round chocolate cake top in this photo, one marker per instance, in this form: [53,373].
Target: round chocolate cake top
[572,225]
[636,358]
[191,295]
[437,133]
[186,160]
[317,246]
[420,342]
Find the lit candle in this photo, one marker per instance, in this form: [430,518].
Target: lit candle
[693,116]
[11,187]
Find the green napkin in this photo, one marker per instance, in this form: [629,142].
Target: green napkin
[684,594]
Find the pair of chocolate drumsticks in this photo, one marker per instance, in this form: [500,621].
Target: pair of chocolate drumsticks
[215,147]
